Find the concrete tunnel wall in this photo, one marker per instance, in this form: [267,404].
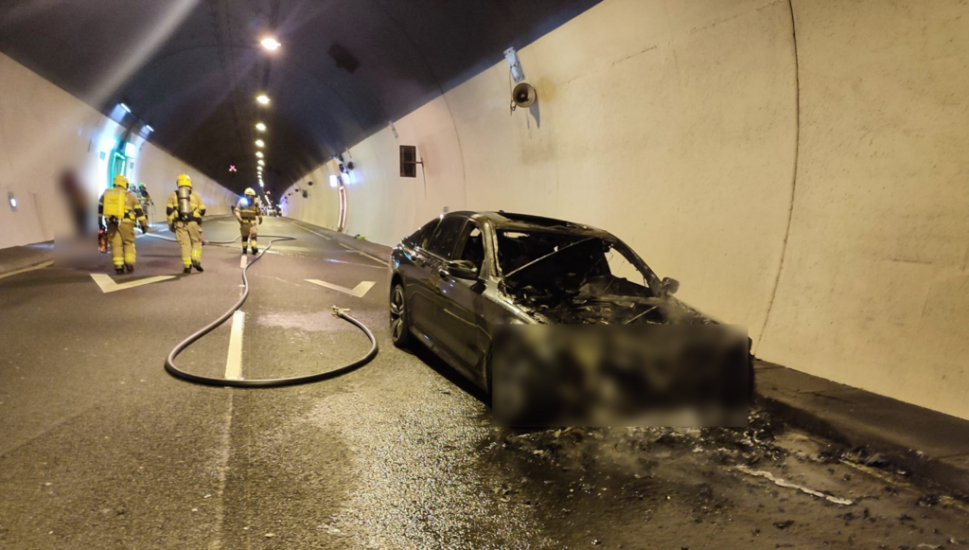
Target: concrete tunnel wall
[680,127]
[43,130]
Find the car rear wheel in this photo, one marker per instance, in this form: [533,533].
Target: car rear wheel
[399,321]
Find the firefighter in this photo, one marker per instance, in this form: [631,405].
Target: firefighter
[250,217]
[118,210]
[185,210]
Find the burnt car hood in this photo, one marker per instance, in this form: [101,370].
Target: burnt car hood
[586,307]
[558,289]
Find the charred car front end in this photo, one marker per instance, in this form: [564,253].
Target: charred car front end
[461,277]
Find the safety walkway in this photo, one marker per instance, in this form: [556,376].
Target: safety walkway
[925,443]
[16,259]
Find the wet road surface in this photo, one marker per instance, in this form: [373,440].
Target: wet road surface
[100,448]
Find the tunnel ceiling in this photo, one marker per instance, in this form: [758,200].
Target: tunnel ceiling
[192,68]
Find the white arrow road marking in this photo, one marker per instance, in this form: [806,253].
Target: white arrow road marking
[359,291]
[243,262]
[233,363]
[107,284]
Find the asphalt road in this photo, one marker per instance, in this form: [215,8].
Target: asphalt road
[101,448]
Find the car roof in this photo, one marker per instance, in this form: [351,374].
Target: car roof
[512,221]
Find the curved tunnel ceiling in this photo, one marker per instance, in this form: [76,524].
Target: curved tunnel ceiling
[192,68]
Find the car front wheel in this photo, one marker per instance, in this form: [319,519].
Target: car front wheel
[399,321]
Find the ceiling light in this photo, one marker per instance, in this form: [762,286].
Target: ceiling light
[260,143]
[259,154]
[149,129]
[261,184]
[261,162]
[263,99]
[125,107]
[12,200]
[270,43]
[260,126]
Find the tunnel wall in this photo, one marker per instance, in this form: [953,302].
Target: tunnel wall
[43,131]
[680,127]
[874,291]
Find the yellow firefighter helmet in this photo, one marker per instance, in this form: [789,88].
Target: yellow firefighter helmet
[250,192]
[184,181]
[121,181]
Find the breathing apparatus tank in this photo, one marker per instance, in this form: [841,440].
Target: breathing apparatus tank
[185,210]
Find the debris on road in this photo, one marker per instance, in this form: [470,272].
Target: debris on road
[787,484]
[784,524]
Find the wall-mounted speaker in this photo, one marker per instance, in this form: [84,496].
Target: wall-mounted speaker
[408,161]
[524,95]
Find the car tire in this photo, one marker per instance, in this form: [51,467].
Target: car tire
[399,317]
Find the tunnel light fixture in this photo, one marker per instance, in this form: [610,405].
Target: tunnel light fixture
[260,143]
[258,154]
[149,129]
[270,43]
[261,162]
[261,184]
[260,126]
[12,200]
[125,107]
[263,99]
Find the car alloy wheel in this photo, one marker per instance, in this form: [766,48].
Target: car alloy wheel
[399,325]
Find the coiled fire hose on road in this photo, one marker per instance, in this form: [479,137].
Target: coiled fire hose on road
[263,382]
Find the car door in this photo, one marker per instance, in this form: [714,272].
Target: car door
[413,259]
[461,304]
[425,299]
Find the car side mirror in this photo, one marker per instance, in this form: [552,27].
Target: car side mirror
[462,269]
[670,285]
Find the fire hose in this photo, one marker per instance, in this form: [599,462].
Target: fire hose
[263,382]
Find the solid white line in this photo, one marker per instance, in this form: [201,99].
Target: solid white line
[313,232]
[233,363]
[26,269]
[374,258]
[384,262]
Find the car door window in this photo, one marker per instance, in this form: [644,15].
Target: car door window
[473,249]
[446,237]
[420,237]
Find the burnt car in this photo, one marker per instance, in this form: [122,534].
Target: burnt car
[462,275]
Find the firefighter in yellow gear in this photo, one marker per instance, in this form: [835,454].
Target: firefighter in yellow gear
[118,210]
[248,213]
[185,210]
